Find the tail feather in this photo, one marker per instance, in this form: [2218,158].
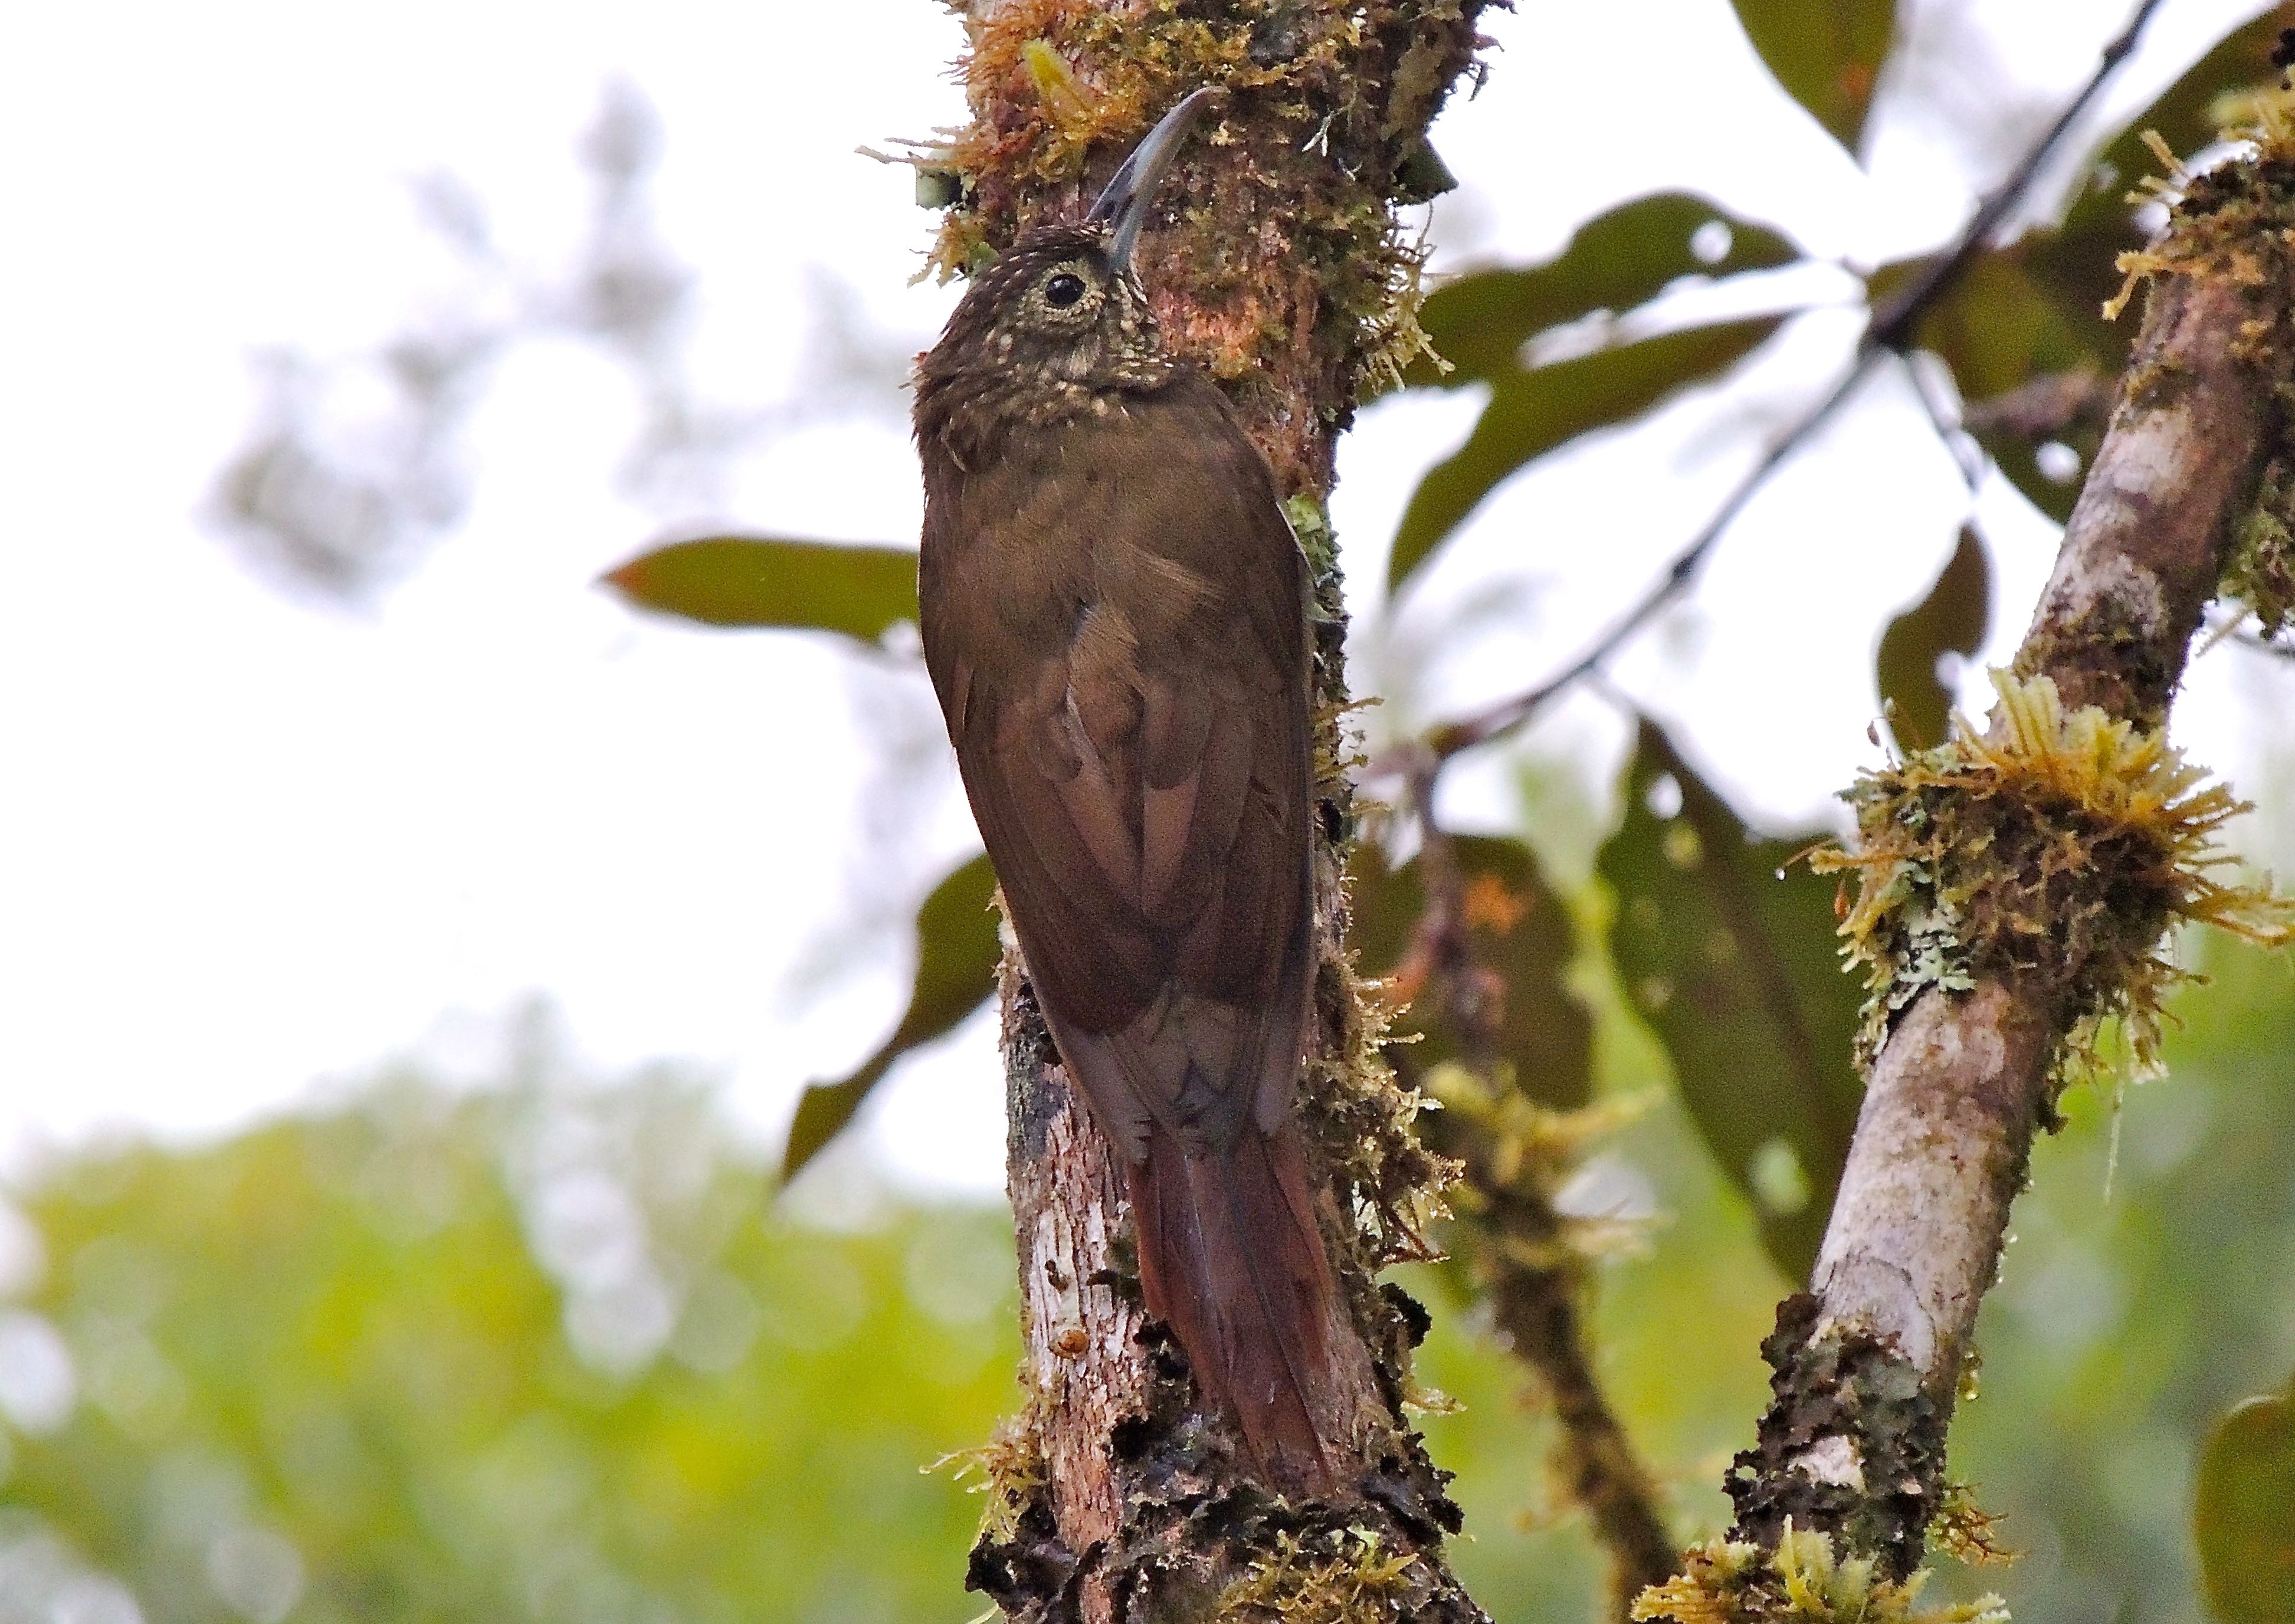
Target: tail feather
[1231,1259]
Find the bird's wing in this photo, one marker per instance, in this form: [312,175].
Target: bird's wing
[1117,631]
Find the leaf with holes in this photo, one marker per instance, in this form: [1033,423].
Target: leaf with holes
[1726,948]
[769,581]
[1531,413]
[1520,930]
[958,946]
[1479,321]
[2243,1513]
[1826,54]
[1951,619]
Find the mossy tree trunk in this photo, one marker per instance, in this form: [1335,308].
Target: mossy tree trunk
[1280,267]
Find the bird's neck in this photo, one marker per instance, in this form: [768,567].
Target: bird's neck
[972,415]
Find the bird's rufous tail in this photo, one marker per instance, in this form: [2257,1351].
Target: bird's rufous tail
[1231,1259]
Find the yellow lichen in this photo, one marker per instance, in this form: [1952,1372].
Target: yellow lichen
[2236,221]
[1344,1578]
[1523,1151]
[1722,1582]
[1009,1470]
[2065,843]
[1068,102]
[1967,1532]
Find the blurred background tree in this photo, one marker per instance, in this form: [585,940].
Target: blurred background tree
[562,1347]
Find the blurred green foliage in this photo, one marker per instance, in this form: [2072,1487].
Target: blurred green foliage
[2243,1512]
[1725,946]
[550,1350]
[1826,54]
[1479,321]
[1519,930]
[1535,410]
[545,1352]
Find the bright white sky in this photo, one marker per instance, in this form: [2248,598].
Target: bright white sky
[250,843]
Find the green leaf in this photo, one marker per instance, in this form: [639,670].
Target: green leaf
[2243,1513]
[1728,954]
[1953,618]
[1529,413]
[1479,321]
[1826,54]
[1996,327]
[345,1319]
[1520,930]
[958,946]
[767,581]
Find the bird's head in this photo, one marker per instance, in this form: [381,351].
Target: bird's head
[1060,312]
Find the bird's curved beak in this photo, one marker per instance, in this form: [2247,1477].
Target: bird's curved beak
[1123,206]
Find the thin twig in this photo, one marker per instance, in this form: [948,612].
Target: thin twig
[2045,406]
[1507,714]
[1951,432]
[1894,323]
[2257,640]
[1890,333]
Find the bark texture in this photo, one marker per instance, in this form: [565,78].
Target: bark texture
[1279,269]
[1867,1365]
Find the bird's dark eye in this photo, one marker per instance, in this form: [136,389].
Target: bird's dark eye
[1064,290]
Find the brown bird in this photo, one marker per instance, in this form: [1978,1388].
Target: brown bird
[1114,610]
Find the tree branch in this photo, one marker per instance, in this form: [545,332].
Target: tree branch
[1867,1365]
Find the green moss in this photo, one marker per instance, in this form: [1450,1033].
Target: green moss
[1967,1532]
[1009,1470]
[2261,573]
[1310,522]
[1051,81]
[1722,1582]
[1343,1576]
[1361,1117]
[2060,844]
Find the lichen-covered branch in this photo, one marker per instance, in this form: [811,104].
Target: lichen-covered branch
[1280,268]
[2015,889]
